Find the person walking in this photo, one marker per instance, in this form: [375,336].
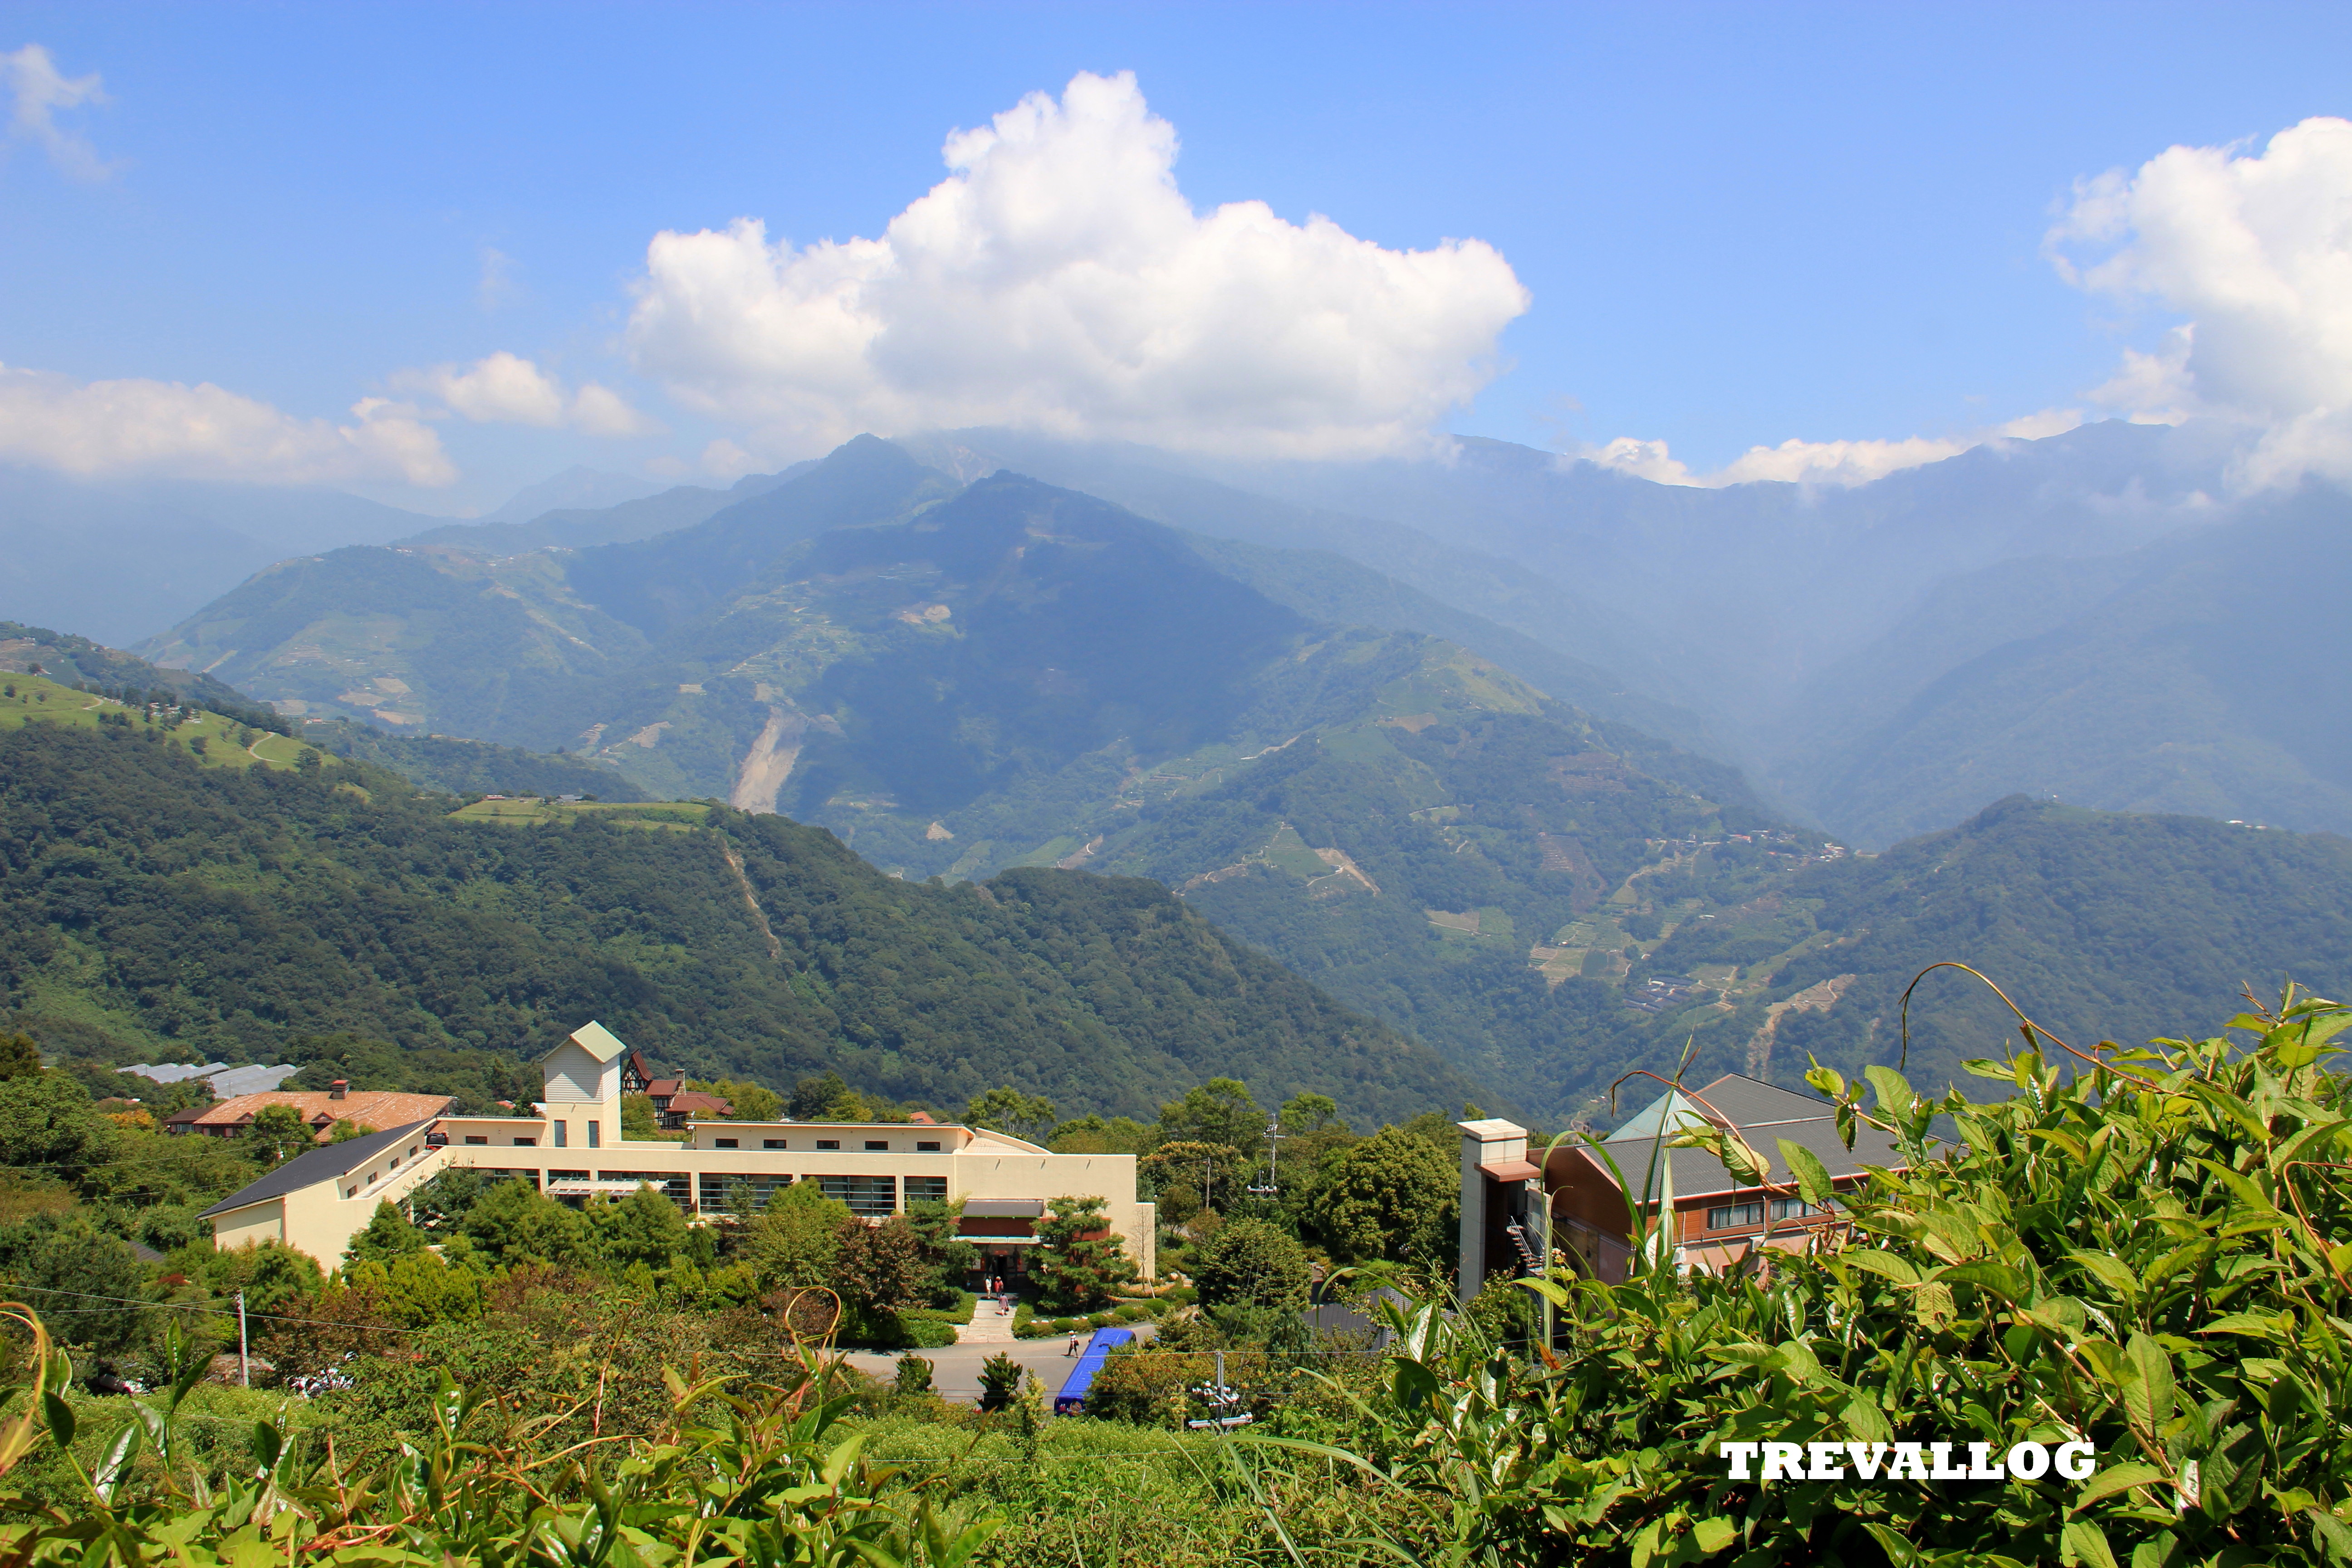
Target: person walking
[1074,1345]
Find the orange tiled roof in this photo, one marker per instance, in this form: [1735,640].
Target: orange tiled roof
[694,1099]
[380,1109]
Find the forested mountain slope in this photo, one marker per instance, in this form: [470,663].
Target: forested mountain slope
[2094,922]
[151,905]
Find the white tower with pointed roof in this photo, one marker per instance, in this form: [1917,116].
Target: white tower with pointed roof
[582,1093]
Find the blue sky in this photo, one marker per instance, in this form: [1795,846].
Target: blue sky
[1734,225]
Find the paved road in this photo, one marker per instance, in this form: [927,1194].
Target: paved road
[955,1369]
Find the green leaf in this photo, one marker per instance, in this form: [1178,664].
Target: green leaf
[2084,1543]
[2107,1270]
[1896,1095]
[1550,1290]
[2250,1323]
[2115,1478]
[1812,1177]
[115,1460]
[267,1442]
[2148,1383]
[1865,1421]
[1887,1264]
[2329,1531]
[61,1419]
[1899,1551]
[1998,1279]
[1713,1534]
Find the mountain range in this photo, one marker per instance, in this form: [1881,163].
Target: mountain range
[1383,789]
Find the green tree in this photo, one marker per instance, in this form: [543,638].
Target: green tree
[637,1118]
[796,1241]
[752,1101]
[1308,1112]
[1394,1196]
[80,1279]
[20,1056]
[950,1261]
[1000,1382]
[1218,1112]
[515,1224]
[825,1097]
[418,1290]
[881,1269]
[1092,1134]
[1007,1109]
[1250,1263]
[273,1276]
[643,1227]
[1192,1177]
[386,1235]
[346,1129]
[280,1132]
[47,1127]
[1081,1262]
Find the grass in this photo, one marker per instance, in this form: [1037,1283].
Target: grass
[674,817]
[37,699]
[1096,1494]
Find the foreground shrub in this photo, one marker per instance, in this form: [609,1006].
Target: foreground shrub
[2149,1258]
[758,1476]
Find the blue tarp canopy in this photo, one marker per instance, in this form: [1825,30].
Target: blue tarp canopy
[1073,1397]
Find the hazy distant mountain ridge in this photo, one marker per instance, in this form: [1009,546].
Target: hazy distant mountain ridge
[116,561]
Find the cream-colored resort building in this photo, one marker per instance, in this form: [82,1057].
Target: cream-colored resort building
[574,1150]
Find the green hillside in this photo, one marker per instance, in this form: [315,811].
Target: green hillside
[154,903]
[77,661]
[468,767]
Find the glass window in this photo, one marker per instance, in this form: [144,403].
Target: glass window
[725,1143]
[740,1194]
[828,1143]
[563,1135]
[772,1143]
[595,1138]
[868,1197]
[920,1187]
[877,1145]
[525,1143]
[928,1146]
[1730,1217]
[476,1138]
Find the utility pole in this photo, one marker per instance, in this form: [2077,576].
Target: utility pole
[1273,1134]
[244,1361]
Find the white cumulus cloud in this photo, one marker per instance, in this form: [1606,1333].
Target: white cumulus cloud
[1060,281]
[1820,462]
[38,91]
[2256,250]
[138,427]
[507,389]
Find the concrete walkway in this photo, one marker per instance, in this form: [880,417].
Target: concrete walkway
[991,1324]
[955,1369]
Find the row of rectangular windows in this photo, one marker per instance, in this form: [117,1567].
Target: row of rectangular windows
[873,1145]
[869,1197]
[1731,1217]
